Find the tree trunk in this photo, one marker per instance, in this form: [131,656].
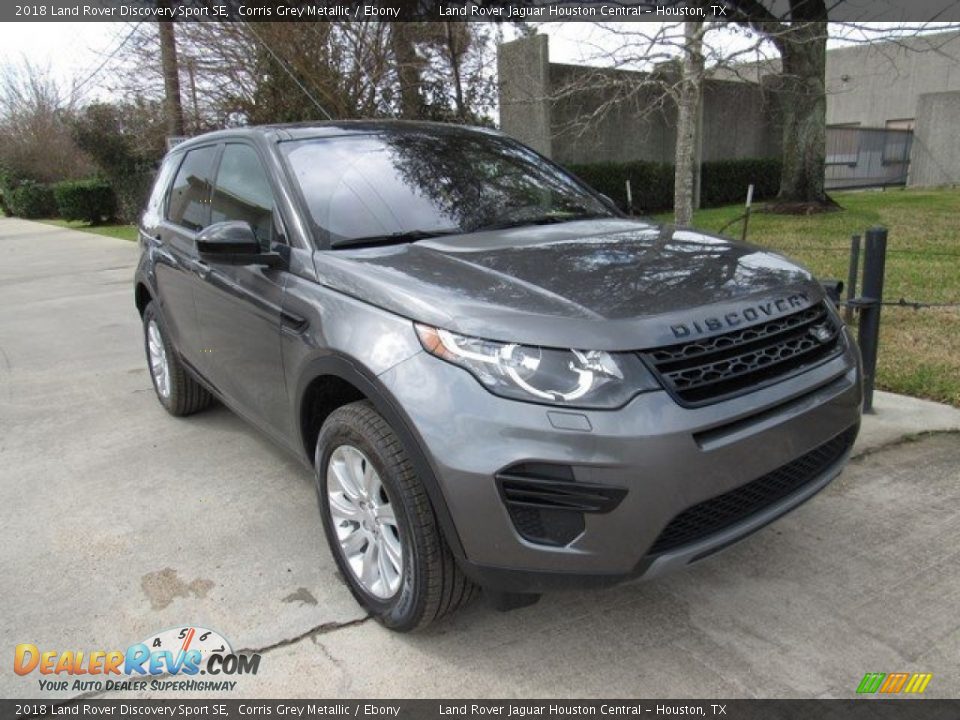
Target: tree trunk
[454,50]
[803,104]
[688,110]
[171,75]
[408,68]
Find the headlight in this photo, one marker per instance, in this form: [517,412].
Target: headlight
[576,378]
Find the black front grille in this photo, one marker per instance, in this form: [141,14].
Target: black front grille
[715,368]
[718,513]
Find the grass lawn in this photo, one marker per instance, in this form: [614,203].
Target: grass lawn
[121,232]
[919,349]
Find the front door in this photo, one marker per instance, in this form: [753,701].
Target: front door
[238,306]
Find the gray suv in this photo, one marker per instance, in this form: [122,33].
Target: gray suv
[499,380]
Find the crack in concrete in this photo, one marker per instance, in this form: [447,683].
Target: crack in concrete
[902,440]
[314,632]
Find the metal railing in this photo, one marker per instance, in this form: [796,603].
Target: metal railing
[870,302]
[867,157]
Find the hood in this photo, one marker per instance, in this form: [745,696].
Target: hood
[611,284]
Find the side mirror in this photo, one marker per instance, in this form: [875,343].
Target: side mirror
[234,243]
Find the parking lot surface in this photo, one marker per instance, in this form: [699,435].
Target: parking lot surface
[120,521]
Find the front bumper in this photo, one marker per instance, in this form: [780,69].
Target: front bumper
[667,457]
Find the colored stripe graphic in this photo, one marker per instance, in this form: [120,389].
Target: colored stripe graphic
[918,683]
[894,682]
[871,682]
[914,683]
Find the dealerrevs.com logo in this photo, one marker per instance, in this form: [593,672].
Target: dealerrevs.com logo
[171,660]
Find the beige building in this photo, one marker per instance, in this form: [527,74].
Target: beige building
[910,85]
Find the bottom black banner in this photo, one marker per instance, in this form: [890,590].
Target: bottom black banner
[859,709]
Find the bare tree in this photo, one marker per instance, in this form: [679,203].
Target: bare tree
[793,47]
[652,77]
[277,72]
[688,110]
[34,123]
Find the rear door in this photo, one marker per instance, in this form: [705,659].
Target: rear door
[238,306]
[187,211]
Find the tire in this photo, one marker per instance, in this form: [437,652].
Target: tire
[178,392]
[428,584]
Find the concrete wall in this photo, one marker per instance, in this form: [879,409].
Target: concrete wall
[639,127]
[537,108]
[739,121]
[869,85]
[935,155]
[874,84]
[523,69]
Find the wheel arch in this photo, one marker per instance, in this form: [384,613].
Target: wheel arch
[331,381]
[142,296]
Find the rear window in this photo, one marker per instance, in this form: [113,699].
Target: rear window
[364,186]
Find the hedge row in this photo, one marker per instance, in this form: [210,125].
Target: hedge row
[722,182]
[29,199]
[92,201]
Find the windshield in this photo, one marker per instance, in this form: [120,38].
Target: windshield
[410,184]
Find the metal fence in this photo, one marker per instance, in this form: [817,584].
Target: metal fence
[867,157]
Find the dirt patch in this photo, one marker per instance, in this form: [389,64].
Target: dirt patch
[164,586]
[302,596]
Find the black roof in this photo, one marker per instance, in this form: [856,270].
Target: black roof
[332,128]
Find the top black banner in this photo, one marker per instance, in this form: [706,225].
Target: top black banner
[859,11]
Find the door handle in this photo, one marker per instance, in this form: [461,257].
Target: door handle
[202,268]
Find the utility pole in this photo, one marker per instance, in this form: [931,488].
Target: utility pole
[171,73]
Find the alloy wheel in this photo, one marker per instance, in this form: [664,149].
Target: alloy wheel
[159,367]
[364,521]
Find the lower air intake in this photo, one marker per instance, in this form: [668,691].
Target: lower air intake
[711,516]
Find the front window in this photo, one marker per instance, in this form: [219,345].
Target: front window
[242,192]
[412,184]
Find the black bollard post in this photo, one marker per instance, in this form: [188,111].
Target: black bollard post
[874,263]
[852,277]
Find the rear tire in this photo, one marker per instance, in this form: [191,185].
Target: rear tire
[176,390]
[428,585]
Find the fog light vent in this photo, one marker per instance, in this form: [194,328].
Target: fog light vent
[546,503]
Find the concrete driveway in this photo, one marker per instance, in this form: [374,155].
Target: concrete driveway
[120,521]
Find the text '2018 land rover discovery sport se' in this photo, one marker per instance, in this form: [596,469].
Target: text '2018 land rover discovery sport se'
[500,381]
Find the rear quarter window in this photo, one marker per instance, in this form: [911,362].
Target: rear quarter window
[153,212]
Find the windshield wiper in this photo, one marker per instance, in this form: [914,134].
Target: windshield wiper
[542,220]
[408,236]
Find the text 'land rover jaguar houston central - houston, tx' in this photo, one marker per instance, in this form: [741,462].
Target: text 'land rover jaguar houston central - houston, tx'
[500,381]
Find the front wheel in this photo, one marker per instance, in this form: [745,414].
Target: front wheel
[380,524]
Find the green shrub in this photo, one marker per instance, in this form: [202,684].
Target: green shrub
[651,184]
[7,182]
[722,182]
[91,200]
[31,199]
